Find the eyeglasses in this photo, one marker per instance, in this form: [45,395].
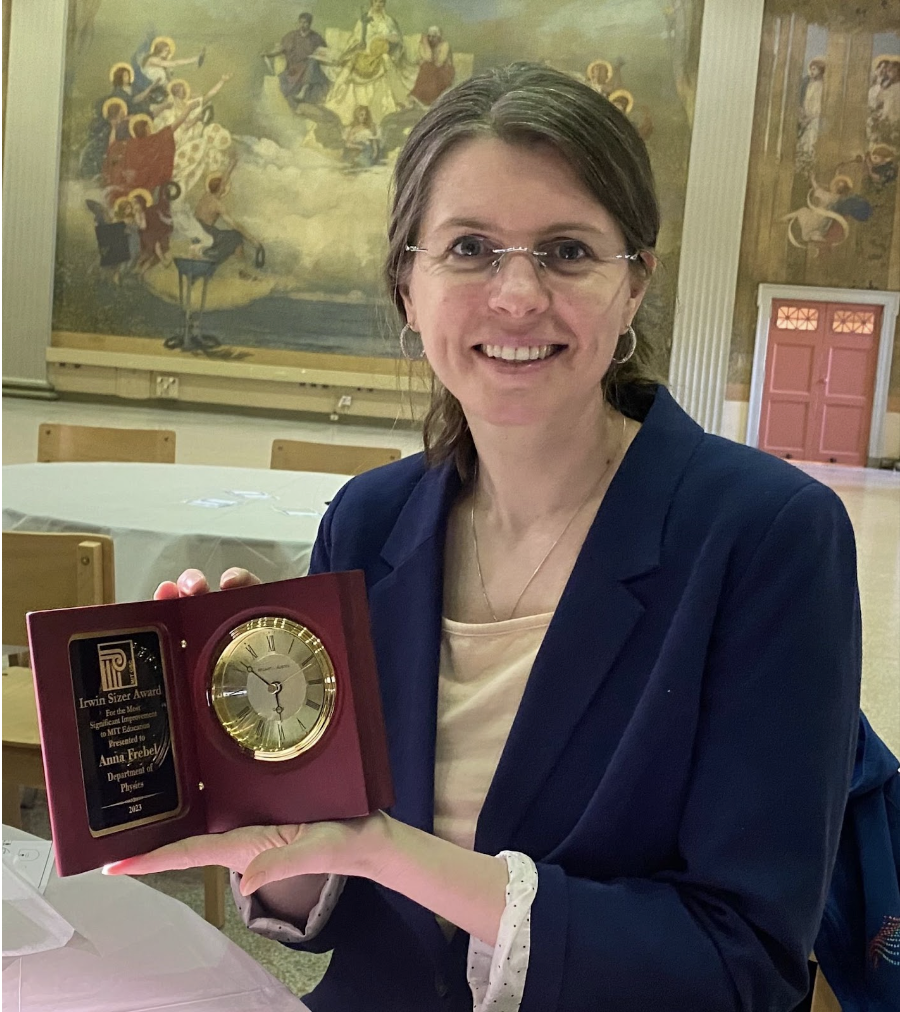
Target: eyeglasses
[478,257]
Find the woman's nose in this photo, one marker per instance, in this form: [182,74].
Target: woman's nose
[519,283]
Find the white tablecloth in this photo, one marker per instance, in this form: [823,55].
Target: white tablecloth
[136,950]
[165,518]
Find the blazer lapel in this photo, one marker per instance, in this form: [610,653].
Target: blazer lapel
[595,616]
[405,608]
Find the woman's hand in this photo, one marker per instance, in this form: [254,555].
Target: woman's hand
[192,582]
[266,854]
[465,887]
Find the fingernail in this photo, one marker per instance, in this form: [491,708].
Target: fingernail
[107,869]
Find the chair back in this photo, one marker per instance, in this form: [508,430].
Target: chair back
[90,443]
[332,458]
[43,570]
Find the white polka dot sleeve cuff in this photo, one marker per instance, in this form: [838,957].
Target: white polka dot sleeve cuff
[254,915]
[497,975]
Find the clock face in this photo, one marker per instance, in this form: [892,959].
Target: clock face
[273,688]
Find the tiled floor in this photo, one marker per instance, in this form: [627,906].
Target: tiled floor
[872,499]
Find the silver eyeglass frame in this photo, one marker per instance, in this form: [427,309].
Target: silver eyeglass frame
[501,253]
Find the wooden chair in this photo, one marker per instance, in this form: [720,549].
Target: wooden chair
[42,571]
[87,443]
[332,458]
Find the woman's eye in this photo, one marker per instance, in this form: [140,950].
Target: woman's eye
[469,246]
[568,250]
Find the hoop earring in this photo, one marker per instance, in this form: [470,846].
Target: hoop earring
[410,358]
[630,332]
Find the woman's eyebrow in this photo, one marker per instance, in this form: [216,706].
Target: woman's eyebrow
[555,228]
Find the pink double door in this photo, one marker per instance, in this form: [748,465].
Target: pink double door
[821,364]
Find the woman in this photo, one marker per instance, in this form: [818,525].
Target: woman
[619,654]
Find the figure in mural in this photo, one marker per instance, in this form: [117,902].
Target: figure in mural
[154,226]
[823,222]
[158,62]
[809,122]
[121,77]
[436,70]
[149,157]
[604,77]
[201,146]
[123,213]
[362,145]
[106,129]
[883,121]
[881,164]
[210,210]
[303,81]
[372,69]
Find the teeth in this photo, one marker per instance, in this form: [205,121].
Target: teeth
[520,353]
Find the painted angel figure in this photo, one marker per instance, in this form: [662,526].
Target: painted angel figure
[201,145]
[824,219]
[158,62]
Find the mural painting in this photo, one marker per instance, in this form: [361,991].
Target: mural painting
[225,166]
[823,202]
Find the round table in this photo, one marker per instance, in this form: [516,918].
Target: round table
[165,518]
[135,950]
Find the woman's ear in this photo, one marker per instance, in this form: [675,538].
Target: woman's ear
[408,307]
[640,282]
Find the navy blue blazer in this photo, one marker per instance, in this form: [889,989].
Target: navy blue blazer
[679,764]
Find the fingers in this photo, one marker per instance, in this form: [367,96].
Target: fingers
[194,852]
[235,577]
[299,858]
[192,582]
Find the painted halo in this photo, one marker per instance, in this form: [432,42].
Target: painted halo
[141,117]
[184,84]
[623,93]
[113,70]
[145,194]
[109,103]
[170,42]
[599,63]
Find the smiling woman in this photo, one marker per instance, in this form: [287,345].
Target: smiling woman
[598,630]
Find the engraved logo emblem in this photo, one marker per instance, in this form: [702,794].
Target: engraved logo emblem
[117,667]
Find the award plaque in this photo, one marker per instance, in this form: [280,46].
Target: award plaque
[165,719]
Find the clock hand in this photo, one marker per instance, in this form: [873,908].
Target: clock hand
[252,672]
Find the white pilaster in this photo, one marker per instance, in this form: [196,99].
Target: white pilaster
[30,189]
[714,206]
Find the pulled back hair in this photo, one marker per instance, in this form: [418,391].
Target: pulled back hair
[525,104]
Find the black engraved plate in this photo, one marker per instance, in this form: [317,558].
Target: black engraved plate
[124,730]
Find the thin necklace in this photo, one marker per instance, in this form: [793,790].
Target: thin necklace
[540,565]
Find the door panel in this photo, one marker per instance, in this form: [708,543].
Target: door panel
[821,364]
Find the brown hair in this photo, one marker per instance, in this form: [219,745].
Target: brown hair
[524,103]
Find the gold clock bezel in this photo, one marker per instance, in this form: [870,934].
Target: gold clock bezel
[238,636]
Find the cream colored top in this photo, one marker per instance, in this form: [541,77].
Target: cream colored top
[482,675]
[483,671]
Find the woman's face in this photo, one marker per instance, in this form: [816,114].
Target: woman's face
[491,195]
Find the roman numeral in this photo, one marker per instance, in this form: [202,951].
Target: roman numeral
[270,641]
[252,652]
